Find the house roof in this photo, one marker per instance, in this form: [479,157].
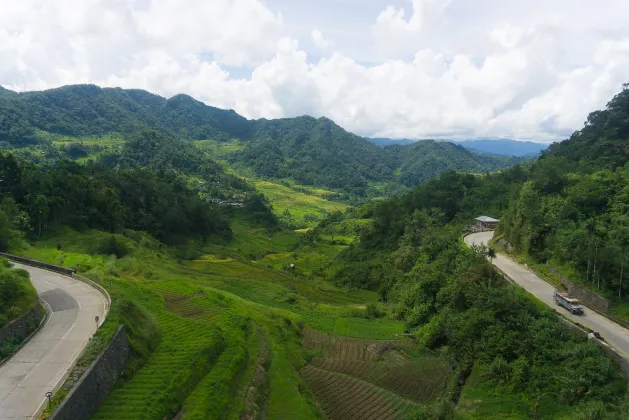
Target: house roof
[486,219]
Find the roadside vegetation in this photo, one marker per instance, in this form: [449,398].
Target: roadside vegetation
[17,294]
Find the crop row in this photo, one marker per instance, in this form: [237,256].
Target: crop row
[157,389]
[412,380]
[343,397]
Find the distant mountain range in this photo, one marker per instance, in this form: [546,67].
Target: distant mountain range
[483,147]
[310,151]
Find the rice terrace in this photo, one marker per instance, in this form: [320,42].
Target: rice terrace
[162,258]
[370,379]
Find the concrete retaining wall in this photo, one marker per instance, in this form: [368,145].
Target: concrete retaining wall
[97,382]
[21,328]
[588,297]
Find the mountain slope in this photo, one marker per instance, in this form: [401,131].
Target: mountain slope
[90,110]
[506,147]
[308,150]
[425,159]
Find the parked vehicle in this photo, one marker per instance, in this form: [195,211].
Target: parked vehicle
[571,304]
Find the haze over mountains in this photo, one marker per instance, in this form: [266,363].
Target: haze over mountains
[488,147]
[308,150]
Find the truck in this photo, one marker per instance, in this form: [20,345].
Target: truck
[571,304]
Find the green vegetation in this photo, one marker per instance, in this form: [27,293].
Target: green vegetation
[17,294]
[454,302]
[195,324]
[232,314]
[295,208]
[87,122]
[572,211]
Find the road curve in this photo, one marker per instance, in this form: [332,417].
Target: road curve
[45,361]
[614,334]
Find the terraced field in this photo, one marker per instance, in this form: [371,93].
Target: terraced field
[369,379]
[344,397]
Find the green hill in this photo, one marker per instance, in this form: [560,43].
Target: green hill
[313,152]
[569,209]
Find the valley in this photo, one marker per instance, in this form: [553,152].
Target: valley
[289,269]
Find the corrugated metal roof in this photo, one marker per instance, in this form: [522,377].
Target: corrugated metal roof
[486,219]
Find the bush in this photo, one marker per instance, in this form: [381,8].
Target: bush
[372,311]
[114,245]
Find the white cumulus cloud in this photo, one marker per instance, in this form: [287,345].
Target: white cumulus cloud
[398,68]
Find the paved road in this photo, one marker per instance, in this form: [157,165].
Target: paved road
[45,361]
[615,335]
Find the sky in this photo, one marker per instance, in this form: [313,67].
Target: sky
[529,70]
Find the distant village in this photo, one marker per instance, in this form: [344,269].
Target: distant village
[233,201]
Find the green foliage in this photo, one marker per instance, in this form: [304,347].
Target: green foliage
[17,294]
[112,200]
[572,212]
[451,298]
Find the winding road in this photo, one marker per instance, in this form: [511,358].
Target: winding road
[45,361]
[614,334]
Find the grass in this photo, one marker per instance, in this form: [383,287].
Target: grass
[194,323]
[17,294]
[305,209]
[382,375]
[481,400]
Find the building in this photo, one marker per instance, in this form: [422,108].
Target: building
[486,222]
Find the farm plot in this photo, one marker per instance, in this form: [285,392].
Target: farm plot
[348,348]
[344,397]
[378,369]
[420,381]
[188,347]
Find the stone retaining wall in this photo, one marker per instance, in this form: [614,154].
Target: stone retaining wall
[588,297]
[97,382]
[20,328]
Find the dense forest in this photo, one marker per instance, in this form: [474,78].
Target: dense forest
[573,211]
[36,199]
[307,150]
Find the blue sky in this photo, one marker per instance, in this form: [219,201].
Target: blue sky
[399,68]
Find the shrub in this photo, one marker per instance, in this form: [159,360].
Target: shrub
[114,245]
[373,311]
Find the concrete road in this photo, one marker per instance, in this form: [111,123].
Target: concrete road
[614,334]
[42,364]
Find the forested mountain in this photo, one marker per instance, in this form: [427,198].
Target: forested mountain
[574,209]
[308,150]
[383,141]
[506,147]
[89,110]
[314,152]
[420,161]
[569,209]
[486,147]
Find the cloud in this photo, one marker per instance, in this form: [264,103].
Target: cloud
[319,40]
[397,36]
[425,68]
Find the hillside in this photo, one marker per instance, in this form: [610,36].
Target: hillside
[308,151]
[506,147]
[425,159]
[485,147]
[567,210]
[572,211]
